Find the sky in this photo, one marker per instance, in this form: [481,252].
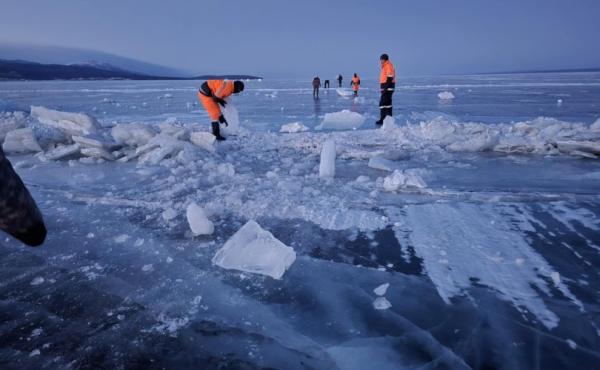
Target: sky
[281,38]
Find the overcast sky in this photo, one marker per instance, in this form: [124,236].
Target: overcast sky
[277,38]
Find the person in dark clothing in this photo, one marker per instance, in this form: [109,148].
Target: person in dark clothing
[340,78]
[387,83]
[316,83]
[19,215]
[326,85]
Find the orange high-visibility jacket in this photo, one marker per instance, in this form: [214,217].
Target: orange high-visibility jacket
[220,89]
[387,70]
[355,83]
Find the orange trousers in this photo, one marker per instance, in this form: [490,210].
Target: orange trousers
[212,108]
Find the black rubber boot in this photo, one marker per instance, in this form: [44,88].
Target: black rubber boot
[217,131]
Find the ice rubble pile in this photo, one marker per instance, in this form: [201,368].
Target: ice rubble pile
[541,136]
[446,95]
[59,135]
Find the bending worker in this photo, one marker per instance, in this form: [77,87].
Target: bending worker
[355,83]
[212,93]
[340,78]
[387,83]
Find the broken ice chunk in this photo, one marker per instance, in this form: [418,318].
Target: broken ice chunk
[382,289]
[327,166]
[381,303]
[253,249]
[199,223]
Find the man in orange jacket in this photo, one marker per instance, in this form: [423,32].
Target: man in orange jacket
[212,93]
[355,83]
[387,83]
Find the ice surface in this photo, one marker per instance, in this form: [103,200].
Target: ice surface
[446,95]
[496,255]
[198,221]
[343,120]
[21,141]
[344,92]
[253,249]
[293,127]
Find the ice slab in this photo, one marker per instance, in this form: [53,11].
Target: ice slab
[446,95]
[21,141]
[389,123]
[62,151]
[343,120]
[204,140]
[132,134]
[327,165]
[232,116]
[382,289]
[253,249]
[403,179]
[69,123]
[293,127]
[198,221]
[10,121]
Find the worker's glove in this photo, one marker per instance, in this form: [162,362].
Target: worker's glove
[223,120]
[220,101]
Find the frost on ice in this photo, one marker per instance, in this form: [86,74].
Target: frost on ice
[253,249]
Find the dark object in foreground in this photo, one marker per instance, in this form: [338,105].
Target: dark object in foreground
[19,215]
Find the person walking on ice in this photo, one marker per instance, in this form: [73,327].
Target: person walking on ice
[212,94]
[326,85]
[387,83]
[340,78]
[355,83]
[316,83]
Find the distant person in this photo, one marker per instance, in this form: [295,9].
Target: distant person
[387,83]
[326,85]
[316,83]
[340,78]
[212,93]
[19,215]
[355,83]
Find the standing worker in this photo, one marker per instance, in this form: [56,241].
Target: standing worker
[340,78]
[212,93]
[355,83]
[316,83]
[387,83]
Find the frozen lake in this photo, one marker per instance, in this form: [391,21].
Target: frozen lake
[482,213]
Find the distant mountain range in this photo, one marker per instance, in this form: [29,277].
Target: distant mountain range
[37,62]
[25,70]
